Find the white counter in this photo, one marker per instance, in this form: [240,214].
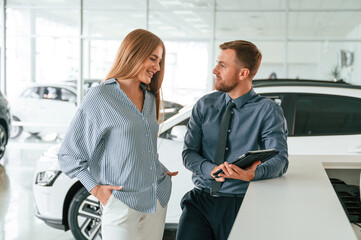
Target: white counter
[299,205]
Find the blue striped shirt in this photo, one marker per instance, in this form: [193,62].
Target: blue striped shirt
[110,142]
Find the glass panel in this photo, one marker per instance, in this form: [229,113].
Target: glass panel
[182,24]
[31,93]
[262,25]
[57,59]
[272,58]
[17,54]
[66,95]
[18,22]
[51,93]
[323,25]
[186,71]
[42,22]
[42,3]
[321,60]
[250,5]
[272,65]
[334,4]
[327,114]
[57,23]
[112,24]
[180,4]
[98,57]
[115,4]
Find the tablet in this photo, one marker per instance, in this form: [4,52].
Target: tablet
[249,157]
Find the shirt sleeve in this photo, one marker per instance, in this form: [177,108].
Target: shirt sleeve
[77,149]
[273,135]
[192,151]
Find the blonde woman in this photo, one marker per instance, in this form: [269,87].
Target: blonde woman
[111,144]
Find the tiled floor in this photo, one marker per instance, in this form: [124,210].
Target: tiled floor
[17,220]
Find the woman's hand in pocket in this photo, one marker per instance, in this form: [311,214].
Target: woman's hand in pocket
[171,174]
[103,192]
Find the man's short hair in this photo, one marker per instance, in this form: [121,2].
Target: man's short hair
[247,54]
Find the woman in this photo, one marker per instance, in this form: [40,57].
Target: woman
[111,144]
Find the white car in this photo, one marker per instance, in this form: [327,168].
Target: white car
[323,118]
[46,108]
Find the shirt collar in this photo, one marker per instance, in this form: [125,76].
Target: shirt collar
[240,101]
[109,81]
[142,86]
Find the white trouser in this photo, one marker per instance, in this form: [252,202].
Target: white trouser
[120,222]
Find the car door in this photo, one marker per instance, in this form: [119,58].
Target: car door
[325,124]
[26,108]
[57,108]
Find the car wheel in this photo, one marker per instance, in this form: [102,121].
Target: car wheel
[3,140]
[15,130]
[84,216]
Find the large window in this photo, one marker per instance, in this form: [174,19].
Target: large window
[49,42]
[298,38]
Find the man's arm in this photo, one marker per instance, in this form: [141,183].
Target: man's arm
[273,135]
[192,151]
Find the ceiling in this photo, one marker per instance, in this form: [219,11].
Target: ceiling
[269,20]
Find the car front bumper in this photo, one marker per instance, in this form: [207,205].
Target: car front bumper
[54,223]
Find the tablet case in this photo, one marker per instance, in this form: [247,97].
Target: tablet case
[249,157]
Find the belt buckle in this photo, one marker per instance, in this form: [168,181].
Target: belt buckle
[211,193]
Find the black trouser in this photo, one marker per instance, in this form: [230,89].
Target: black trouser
[205,217]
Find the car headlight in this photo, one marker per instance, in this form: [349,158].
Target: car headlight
[47,178]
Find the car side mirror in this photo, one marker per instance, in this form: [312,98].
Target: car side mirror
[178,133]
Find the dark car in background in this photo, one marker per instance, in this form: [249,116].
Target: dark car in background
[5,124]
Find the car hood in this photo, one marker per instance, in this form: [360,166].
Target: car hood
[49,159]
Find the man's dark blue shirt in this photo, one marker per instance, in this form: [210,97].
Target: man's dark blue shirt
[257,123]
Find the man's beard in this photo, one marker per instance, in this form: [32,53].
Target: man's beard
[224,88]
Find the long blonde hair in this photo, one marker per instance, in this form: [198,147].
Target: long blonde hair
[136,47]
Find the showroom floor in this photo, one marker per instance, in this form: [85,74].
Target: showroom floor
[17,220]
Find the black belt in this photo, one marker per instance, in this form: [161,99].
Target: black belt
[218,194]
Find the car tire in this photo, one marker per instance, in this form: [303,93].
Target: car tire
[3,140]
[84,216]
[15,130]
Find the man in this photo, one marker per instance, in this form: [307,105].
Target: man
[209,210]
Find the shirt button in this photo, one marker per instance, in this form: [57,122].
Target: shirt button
[229,130]
[232,112]
[226,148]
